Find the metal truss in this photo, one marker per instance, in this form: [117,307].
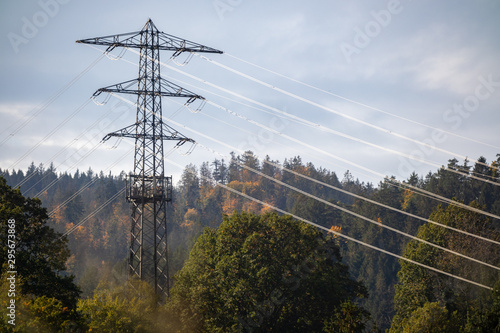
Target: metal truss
[148,189]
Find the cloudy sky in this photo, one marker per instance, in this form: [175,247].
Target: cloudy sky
[394,74]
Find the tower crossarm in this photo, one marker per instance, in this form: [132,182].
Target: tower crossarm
[134,40]
[130,132]
[169,89]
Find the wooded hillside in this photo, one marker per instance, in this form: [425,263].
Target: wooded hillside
[91,207]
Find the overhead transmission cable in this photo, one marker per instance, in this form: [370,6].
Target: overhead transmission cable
[311,147]
[361,104]
[55,181]
[46,137]
[347,136]
[331,155]
[84,187]
[45,105]
[289,118]
[65,148]
[347,237]
[343,191]
[397,185]
[345,210]
[340,234]
[322,200]
[75,165]
[321,127]
[416,189]
[338,189]
[323,107]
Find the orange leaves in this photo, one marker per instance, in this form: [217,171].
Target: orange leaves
[335,229]
[230,204]
[190,218]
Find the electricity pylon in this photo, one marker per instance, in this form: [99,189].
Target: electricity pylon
[148,189]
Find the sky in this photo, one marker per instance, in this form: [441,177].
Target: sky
[382,84]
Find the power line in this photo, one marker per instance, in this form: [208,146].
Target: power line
[312,147]
[359,216]
[363,217]
[362,104]
[303,99]
[318,126]
[346,210]
[48,102]
[416,189]
[62,150]
[314,125]
[342,235]
[299,120]
[91,151]
[345,191]
[61,124]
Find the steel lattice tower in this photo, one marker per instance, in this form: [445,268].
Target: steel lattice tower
[148,189]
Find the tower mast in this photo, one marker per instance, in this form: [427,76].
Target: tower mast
[148,189]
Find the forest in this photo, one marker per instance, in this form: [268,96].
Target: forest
[237,265]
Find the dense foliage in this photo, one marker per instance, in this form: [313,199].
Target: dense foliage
[37,256]
[261,273]
[462,306]
[98,239]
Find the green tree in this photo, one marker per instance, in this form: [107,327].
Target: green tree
[190,187]
[419,286]
[130,307]
[35,315]
[265,272]
[431,318]
[40,252]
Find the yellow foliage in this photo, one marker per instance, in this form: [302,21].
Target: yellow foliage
[406,198]
[58,214]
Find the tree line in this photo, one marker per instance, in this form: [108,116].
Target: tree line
[380,292]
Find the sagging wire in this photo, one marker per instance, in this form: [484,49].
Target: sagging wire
[228,188]
[189,151]
[118,57]
[116,144]
[185,62]
[94,99]
[198,109]
[39,109]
